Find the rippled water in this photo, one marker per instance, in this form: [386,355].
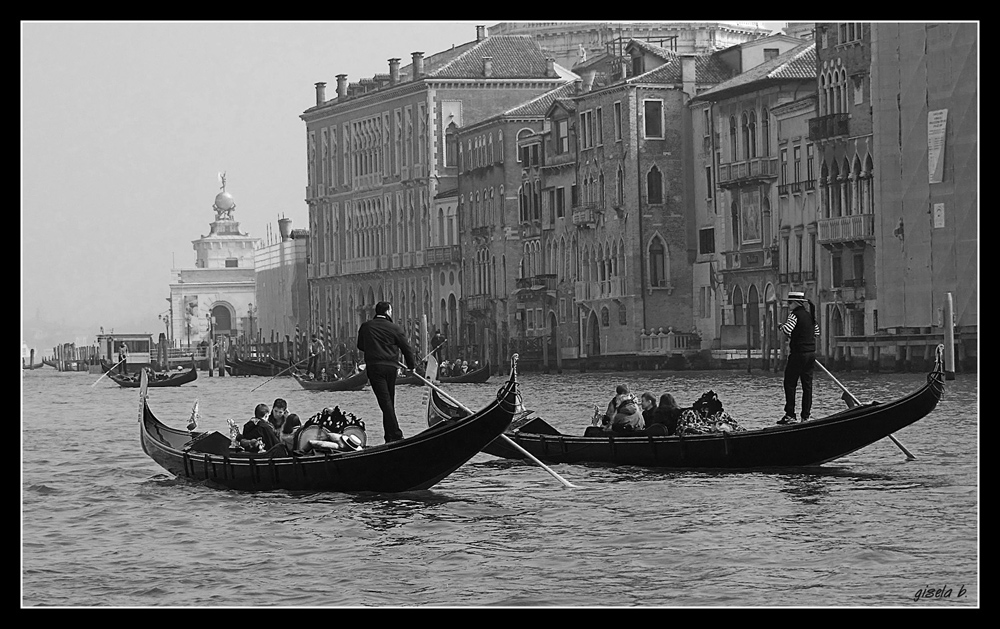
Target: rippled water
[103,525]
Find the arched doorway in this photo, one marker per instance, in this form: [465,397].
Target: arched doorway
[553,339]
[452,324]
[753,316]
[594,336]
[223,323]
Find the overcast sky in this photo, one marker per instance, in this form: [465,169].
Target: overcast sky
[125,127]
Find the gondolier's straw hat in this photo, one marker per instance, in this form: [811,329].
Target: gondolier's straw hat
[796,296]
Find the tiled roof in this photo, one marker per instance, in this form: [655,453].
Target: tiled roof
[540,105]
[514,56]
[708,68]
[797,63]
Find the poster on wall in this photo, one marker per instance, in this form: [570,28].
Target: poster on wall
[937,125]
[750,211]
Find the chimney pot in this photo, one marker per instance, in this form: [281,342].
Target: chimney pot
[393,71]
[487,66]
[341,86]
[320,93]
[285,227]
[550,67]
[480,33]
[418,65]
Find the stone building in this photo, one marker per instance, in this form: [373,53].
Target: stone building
[743,214]
[213,295]
[282,287]
[378,156]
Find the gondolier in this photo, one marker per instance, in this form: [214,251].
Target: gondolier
[315,352]
[802,330]
[381,341]
[122,359]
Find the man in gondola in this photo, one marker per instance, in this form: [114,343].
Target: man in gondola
[381,341]
[802,330]
[122,359]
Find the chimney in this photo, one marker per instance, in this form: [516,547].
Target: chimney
[487,66]
[550,67]
[341,86]
[418,65]
[393,71]
[688,75]
[285,227]
[320,93]
[588,79]
[480,33]
[578,86]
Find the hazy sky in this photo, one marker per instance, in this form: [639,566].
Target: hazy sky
[125,126]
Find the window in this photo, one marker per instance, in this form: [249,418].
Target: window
[745,126]
[798,251]
[859,269]
[605,317]
[654,186]
[600,126]
[706,240]
[637,65]
[657,263]
[574,196]
[765,132]
[620,188]
[560,202]
[708,182]
[770,53]
[232,263]
[618,122]
[812,251]
[783,168]
[622,314]
[562,137]
[810,174]
[797,154]
[859,95]
[752,128]
[785,254]
[732,138]
[653,118]
[838,270]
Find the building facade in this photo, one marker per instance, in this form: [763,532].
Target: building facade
[378,155]
[212,297]
[281,305]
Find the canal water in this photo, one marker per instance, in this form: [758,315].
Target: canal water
[104,526]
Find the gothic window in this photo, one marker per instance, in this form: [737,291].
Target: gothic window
[654,186]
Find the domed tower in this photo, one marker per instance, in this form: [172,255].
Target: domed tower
[225,246]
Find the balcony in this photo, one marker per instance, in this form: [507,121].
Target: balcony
[846,229]
[667,342]
[478,304]
[830,126]
[756,170]
[586,217]
[747,259]
[361,265]
[447,254]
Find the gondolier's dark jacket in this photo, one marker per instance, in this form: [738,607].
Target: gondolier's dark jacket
[381,340]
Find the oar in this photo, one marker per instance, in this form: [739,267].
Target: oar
[279,373]
[505,437]
[107,372]
[909,456]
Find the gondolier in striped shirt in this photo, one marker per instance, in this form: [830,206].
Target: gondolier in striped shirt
[802,330]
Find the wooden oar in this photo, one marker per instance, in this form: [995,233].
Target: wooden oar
[909,456]
[107,372]
[505,437]
[279,373]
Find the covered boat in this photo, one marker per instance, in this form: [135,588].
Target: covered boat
[159,379]
[813,442]
[354,382]
[413,463]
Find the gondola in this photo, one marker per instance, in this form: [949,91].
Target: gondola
[173,379]
[350,383]
[410,464]
[479,375]
[244,367]
[813,442]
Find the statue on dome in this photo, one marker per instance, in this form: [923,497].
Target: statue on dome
[224,203]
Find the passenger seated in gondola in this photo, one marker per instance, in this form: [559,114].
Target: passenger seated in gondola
[623,412]
[648,404]
[666,414]
[258,435]
[288,430]
[444,370]
[278,414]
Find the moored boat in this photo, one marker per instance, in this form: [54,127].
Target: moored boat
[809,443]
[413,463]
[354,382]
[479,375]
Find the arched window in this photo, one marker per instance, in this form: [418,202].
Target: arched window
[620,187]
[605,317]
[745,126]
[765,132]
[752,142]
[654,185]
[732,138]
[658,266]
[601,199]
[735,216]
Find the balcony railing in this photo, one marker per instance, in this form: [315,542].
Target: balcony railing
[756,169]
[667,342]
[829,126]
[443,255]
[477,303]
[846,228]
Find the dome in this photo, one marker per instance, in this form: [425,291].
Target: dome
[224,201]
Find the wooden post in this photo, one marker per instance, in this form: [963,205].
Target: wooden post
[748,346]
[949,338]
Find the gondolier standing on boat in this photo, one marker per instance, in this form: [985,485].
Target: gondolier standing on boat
[316,350]
[122,359]
[381,341]
[802,330]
